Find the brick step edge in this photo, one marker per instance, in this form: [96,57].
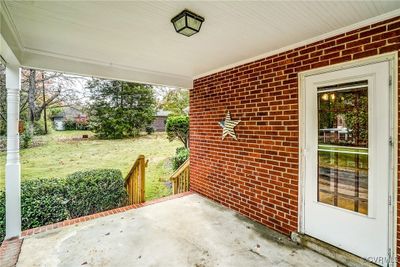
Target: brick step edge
[9,252]
[42,229]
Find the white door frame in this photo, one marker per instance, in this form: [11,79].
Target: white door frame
[392,58]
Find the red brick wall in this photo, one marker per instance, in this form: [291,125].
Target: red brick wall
[258,174]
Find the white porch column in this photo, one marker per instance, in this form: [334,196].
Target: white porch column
[13,167]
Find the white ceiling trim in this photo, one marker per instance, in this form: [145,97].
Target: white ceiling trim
[47,61]
[10,23]
[355,26]
[7,54]
[95,68]
[101,63]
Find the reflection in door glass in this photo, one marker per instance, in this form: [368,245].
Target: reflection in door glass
[343,146]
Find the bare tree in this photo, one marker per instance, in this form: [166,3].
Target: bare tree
[43,89]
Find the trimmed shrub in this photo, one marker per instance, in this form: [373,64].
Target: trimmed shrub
[94,191]
[38,128]
[69,125]
[47,201]
[25,139]
[149,129]
[181,155]
[82,125]
[177,127]
[43,201]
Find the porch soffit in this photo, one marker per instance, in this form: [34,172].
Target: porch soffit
[135,41]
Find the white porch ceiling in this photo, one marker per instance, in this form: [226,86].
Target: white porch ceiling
[136,41]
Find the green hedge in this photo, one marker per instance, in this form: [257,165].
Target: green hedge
[43,201]
[94,191]
[47,201]
[181,155]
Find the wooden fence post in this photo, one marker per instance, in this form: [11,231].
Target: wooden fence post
[142,176]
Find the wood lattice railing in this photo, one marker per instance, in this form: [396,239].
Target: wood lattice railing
[180,179]
[135,181]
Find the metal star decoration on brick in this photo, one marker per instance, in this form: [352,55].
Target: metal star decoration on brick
[228,126]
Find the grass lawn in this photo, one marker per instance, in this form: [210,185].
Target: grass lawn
[62,156]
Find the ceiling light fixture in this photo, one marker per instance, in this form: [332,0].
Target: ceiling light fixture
[187,23]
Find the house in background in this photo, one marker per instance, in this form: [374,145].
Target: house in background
[160,120]
[68,114]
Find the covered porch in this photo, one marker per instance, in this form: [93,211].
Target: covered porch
[247,60]
[189,230]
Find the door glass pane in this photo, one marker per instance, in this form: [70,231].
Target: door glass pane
[343,146]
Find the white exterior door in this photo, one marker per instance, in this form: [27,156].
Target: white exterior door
[347,159]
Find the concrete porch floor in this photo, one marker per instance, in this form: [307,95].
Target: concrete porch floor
[187,231]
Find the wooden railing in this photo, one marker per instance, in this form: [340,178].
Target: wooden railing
[135,181]
[180,179]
